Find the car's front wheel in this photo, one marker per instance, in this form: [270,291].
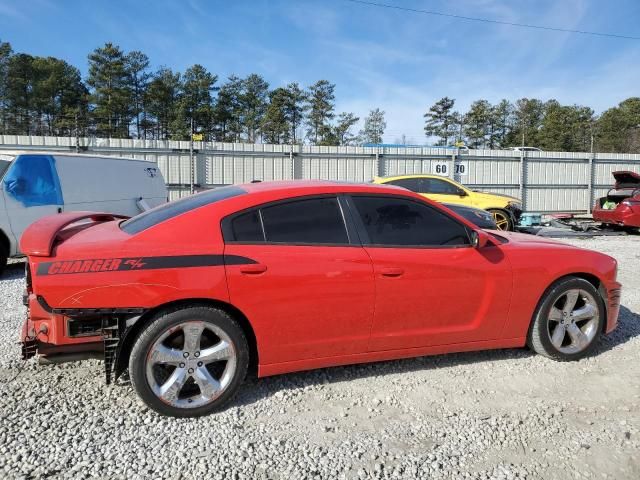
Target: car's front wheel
[188,362]
[568,320]
[502,219]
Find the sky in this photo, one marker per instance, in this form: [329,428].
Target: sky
[397,61]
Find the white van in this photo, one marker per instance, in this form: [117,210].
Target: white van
[36,184]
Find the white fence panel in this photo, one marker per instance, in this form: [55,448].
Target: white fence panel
[548,181]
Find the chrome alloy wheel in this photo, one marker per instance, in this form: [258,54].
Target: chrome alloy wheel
[191,364]
[573,321]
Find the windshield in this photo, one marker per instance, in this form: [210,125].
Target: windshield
[5,161]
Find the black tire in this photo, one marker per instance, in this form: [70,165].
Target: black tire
[503,219]
[4,256]
[157,329]
[539,336]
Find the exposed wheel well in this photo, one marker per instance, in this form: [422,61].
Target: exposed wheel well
[238,316]
[5,246]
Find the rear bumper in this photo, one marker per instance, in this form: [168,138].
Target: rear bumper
[45,332]
[623,215]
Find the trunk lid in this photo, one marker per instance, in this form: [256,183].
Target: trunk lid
[626,179]
[40,237]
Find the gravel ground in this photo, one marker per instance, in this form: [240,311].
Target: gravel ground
[501,414]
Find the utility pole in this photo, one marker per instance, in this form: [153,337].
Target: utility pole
[77,135]
[191,169]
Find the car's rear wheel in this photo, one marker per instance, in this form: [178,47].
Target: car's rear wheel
[502,219]
[189,362]
[568,320]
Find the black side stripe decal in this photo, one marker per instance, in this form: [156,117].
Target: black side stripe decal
[98,265]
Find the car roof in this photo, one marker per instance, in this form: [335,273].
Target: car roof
[416,175]
[303,187]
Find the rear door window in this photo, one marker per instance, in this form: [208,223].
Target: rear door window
[435,185]
[412,184]
[310,221]
[393,221]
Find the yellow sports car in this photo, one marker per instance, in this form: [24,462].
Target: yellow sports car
[506,210]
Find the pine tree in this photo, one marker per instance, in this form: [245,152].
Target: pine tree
[137,64]
[320,106]
[20,105]
[196,103]
[295,108]
[527,121]
[374,127]
[439,120]
[502,113]
[5,55]
[345,122]
[161,99]
[227,112]
[253,99]
[111,93]
[59,95]
[477,121]
[275,124]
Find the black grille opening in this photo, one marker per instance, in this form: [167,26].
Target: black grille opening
[84,327]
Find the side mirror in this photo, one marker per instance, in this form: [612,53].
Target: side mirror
[479,239]
[462,193]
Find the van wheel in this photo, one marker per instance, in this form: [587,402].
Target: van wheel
[4,255]
[503,219]
[568,320]
[189,362]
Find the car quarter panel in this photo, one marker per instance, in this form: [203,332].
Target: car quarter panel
[104,267]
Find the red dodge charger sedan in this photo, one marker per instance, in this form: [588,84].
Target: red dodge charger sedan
[285,276]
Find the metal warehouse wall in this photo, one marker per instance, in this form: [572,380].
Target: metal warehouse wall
[546,181]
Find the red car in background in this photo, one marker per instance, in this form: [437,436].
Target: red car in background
[288,276]
[621,206]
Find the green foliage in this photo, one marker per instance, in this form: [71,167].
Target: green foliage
[121,97]
[137,65]
[374,127]
[478,124]
[618,129]
[227,112]
[276,126]
[320,106]
[342,130]
[440,121]
[255,91]
[161,98]
[295,108]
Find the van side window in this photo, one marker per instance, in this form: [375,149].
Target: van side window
[33,181]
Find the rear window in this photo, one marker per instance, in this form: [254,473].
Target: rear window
[173,209]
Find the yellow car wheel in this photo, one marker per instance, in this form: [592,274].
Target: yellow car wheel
[502,219]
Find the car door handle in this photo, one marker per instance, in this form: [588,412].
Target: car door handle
[253,268]
[391,272]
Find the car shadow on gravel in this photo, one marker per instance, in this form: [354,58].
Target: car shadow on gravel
[627,329]
[13,271]
[255,390]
